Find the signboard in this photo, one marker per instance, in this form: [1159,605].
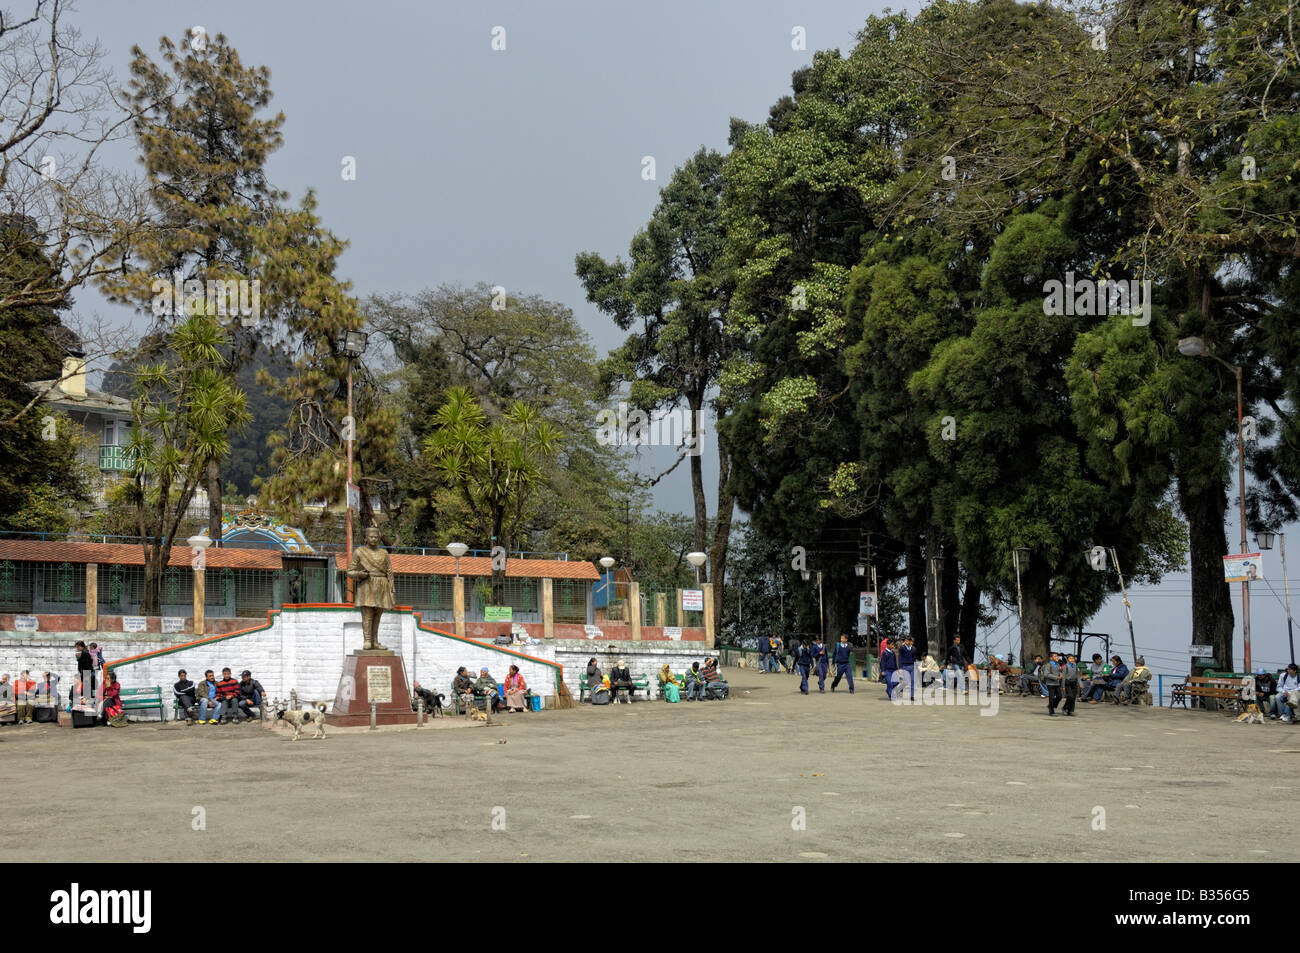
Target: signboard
[354,496]
[379,684]
[867,604]
[26,623]
[173,623]
[134,623]
[1243,568]
[693,600]
[593,632]
[673,632]
[862,624]
[498,613]
[1202,651]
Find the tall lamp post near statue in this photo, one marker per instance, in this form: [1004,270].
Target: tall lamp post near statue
[1196,347]
[351,344]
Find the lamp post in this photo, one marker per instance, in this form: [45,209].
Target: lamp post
[1196,347]
[606,563]
[199,562]
[1020,555]
[821,612]
[351,344]
[1264,539]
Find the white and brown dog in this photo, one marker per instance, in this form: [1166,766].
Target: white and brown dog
[1252,715]
[313,714]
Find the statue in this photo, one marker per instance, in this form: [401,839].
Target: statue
[372,573]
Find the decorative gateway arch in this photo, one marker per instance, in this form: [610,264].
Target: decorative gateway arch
[306,572]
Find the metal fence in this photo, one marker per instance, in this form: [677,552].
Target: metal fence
[16,586]
[570,597]
[663,606]
[431,595]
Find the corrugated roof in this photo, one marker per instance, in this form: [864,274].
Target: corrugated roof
[482,566]
[128,554]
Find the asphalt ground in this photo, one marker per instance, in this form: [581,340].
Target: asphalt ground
[770,775]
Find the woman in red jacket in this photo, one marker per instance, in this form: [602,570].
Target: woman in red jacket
[113,700]
[515,689]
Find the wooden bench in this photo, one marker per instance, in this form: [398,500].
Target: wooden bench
[143,699]
[641,682]
[1225,690]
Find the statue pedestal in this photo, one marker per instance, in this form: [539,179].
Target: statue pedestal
[372,675]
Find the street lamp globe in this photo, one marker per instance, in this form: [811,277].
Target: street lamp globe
[607,562]
[352,343]
[1264,539]
[1193,347]
[859,569]
[199,542]
[457,549]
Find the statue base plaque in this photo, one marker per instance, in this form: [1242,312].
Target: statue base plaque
[372,675]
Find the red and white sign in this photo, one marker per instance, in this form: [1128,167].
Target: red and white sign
[1245,567]
[693,600]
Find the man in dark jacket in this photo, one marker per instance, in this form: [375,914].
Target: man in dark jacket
[842,666]
[186,696]
[907,663]
[820,663]
[803,660]
[251,694]
[957,662]
[85,671]
[1265,692]
[889,669]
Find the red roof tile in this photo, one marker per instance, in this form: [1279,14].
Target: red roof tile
[482,566]
[128,554]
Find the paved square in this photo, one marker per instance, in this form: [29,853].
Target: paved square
[698,781]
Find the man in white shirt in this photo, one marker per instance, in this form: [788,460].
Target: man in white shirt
[1288,692]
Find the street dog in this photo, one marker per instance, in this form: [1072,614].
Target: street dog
[1251,715]
[476,715]
[314,714]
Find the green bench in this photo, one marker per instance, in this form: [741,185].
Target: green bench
[143,699]
[641,682]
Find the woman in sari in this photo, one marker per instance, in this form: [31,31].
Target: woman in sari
[670,684]
[515,688]
[113,700]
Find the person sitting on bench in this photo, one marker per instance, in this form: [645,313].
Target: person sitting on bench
[1029,677]
[486,687]
[251,694]
[462,687]
[694,683]
[620,679]
[1134,685]
[1117,673]
[186,695]
[1288,693]
[714,686]
[670,684]
[515,689]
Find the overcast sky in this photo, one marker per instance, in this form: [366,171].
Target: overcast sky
[499,166]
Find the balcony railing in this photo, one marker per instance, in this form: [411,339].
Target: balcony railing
[114,458]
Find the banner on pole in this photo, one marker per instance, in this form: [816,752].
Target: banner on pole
[1245,567]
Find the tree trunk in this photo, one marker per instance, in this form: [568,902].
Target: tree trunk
[916,599]
[1212,615]
[950,598]
[1035,627]
[214,501]
[697,494]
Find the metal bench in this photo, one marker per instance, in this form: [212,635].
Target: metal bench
[1225,690]
[143,699]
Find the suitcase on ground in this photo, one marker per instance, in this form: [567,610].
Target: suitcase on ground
[45,714]
[84,719]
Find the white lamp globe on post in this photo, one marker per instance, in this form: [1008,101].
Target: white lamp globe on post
[606,563]
[696,559]
[457,550]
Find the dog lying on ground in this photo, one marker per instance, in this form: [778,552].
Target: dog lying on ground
[475,714]
[313,714]
[1251,715]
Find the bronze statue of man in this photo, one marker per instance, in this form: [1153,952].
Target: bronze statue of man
[372,573]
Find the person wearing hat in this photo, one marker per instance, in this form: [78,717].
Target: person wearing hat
[620,677]
[486,687]
[1266,692]
[1134,685]
[907,663]
[251,694]
[842,666]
